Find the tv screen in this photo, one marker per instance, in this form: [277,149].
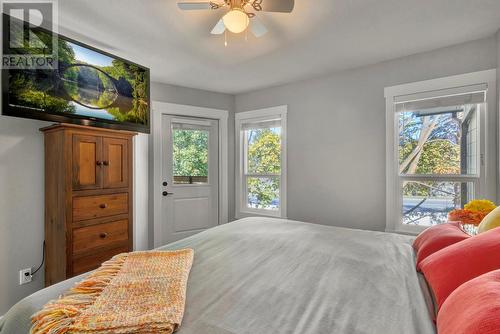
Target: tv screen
[87,86]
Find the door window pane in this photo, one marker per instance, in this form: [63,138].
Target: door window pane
[263,193]
[263,150]
[190,150]
[428,203]
[439,140]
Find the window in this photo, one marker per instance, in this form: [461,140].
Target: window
[261,145]
[190,154]
[436,149]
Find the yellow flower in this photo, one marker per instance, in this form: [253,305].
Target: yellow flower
[480,205]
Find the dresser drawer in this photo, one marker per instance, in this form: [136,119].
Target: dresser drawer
[90,207]
[90,262]
[100,235]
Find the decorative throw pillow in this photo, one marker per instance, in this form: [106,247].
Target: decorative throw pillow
[491,221]
[473,308]
[437,237]
[454,265]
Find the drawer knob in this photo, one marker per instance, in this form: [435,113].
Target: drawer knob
[103,206]
[103,235]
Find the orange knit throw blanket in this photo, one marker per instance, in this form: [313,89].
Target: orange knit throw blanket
[139,292]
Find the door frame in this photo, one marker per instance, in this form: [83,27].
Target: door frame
[164,108]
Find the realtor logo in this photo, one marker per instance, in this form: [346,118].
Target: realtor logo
[29,38]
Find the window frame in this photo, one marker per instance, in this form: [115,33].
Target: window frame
[193,125]
[486,136]
[241,118]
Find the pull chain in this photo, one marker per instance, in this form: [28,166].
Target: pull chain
[246,34]
[225,38]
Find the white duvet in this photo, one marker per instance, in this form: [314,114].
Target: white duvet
[262,275]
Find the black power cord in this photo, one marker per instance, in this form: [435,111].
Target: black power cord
[43,260]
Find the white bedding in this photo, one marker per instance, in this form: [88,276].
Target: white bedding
[262,275]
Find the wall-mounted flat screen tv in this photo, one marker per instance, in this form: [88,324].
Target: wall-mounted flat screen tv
[88,87]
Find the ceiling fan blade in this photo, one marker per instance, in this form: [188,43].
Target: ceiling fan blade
[219,28]
[281,6]
[194,5]
[257,28]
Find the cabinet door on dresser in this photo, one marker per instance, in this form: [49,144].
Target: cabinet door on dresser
[115,160]
[87,162]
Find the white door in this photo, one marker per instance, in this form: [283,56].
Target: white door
[190,176]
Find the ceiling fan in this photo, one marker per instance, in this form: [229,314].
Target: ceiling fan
[240,14]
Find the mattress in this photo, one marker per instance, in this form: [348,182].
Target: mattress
[263,275]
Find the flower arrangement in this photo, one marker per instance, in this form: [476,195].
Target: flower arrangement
[480,205]
[466,216]
[472,214]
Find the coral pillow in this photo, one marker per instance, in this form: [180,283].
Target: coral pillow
[437,237]
[454,265]
[473,308]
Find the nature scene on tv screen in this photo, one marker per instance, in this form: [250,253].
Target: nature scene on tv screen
[86,83]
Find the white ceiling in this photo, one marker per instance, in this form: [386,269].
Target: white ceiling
[318,37]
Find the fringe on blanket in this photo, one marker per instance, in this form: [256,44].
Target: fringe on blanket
[57,316]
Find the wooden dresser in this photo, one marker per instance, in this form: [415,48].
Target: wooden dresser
[88,198]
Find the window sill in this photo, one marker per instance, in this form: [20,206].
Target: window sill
[263,213]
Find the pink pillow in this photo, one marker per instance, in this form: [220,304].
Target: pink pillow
[473,308]
[437,237]
[454,265]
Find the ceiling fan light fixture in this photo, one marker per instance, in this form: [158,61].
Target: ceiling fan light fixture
[236,20]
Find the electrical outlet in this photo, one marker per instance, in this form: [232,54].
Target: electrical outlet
[24,276]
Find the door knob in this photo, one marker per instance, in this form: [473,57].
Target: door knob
[166,193]
[103,235]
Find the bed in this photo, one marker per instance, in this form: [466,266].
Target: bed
[263,275]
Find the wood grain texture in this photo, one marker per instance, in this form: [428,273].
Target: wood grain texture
[115,158]
[55,218]
[101,235]
[90,207]
[87,162]
[84,198]
[90,262]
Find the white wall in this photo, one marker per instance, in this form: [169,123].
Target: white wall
[21,206]
[336,132]
[141,192]
[22,190]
